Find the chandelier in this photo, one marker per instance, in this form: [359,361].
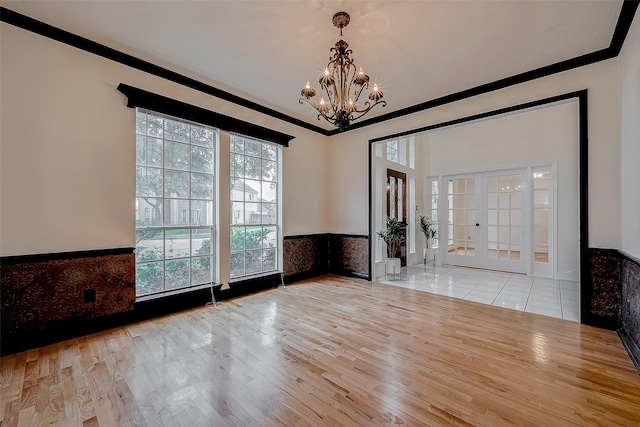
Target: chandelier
[342,85]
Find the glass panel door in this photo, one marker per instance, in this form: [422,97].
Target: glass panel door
[461,221]
[486,223]
[503,216]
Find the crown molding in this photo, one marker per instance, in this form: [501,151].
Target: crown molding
[625,19]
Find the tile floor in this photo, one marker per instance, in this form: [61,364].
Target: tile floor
[555,298]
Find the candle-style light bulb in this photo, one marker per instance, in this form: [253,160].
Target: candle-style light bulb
[361,78]
[376,94]
[326,79]
[307,92]
[350,107]
[322,106]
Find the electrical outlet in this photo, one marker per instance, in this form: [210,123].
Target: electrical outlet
[89,295]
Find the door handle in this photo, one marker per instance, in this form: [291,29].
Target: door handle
[477,224]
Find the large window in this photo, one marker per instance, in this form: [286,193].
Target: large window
[254,206]
[175,209]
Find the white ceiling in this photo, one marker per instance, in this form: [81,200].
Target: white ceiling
[266,50]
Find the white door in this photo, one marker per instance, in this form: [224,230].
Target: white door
[506,245]
[500,220]
[462,217]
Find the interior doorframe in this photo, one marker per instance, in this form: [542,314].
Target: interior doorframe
[581,96]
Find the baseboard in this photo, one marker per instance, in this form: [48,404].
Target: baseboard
[599,321]
[75,327]
[631,347]
[248,286]
[350,273]
[305,275]
[61,330]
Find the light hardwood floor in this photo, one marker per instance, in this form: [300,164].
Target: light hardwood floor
[332,351]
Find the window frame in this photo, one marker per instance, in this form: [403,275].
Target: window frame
[249,198]
[393,146]
[174,233]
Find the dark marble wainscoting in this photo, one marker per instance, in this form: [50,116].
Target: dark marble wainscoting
[41,293]
[604,290]
[349,255]
[312,255]
[305,256]
[629,330]
[611,297]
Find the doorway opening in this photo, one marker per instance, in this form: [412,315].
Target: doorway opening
[524,229]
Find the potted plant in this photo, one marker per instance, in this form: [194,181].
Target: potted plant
[393,236]
[429,230]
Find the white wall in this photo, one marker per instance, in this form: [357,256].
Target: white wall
[67,150]
[546,135]
[349,150]
[630,135]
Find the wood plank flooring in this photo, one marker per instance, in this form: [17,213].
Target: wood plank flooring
[329,352]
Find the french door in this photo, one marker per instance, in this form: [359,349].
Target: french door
[500,220]
[503,202]
[463,220]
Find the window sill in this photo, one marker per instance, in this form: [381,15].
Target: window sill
[253,277]
[173,292]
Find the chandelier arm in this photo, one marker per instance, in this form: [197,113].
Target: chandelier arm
[358,92]
[301,100]
[350,79]
[336,98]
[320,113]
[331,119]
[333,99]
[340,89]
[369,108]
[336,73]
[339,81]
[362,112]
[348,66]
